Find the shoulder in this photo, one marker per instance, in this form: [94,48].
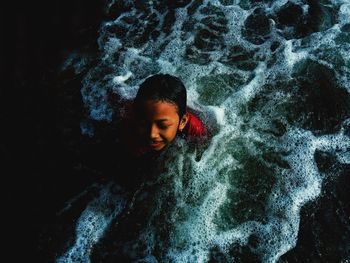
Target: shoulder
[195,128]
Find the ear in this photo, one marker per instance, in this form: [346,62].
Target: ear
[185,118]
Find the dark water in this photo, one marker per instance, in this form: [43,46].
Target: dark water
[271,80]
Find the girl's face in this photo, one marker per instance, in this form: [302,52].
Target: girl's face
[159,123]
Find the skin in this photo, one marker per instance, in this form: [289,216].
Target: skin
[159,124]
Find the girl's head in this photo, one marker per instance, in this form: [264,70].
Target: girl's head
[160,110]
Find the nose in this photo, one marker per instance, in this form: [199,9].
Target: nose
[154,132]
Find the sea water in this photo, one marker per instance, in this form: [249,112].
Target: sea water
[271,80]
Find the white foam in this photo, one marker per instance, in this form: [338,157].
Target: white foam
[111,47]
[344,13]
[219,114]
[92,224]
[122,78]
[293,57]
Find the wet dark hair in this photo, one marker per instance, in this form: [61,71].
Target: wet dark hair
[162,87]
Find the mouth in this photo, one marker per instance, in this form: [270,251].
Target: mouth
[155,144]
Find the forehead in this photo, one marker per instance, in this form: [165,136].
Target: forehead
[160,109]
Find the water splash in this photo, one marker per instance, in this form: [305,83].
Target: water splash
[255,71]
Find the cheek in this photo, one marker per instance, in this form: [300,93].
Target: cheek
[169,135]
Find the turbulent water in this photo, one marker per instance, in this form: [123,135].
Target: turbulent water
[271,80]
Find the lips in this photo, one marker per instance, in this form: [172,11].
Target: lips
[155,144]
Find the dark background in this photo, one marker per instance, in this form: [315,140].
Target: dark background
[39,114]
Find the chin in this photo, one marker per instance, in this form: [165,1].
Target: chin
[157,149]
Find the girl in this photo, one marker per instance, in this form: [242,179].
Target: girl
[157,115]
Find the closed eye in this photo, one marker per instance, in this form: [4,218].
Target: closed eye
[163,125]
